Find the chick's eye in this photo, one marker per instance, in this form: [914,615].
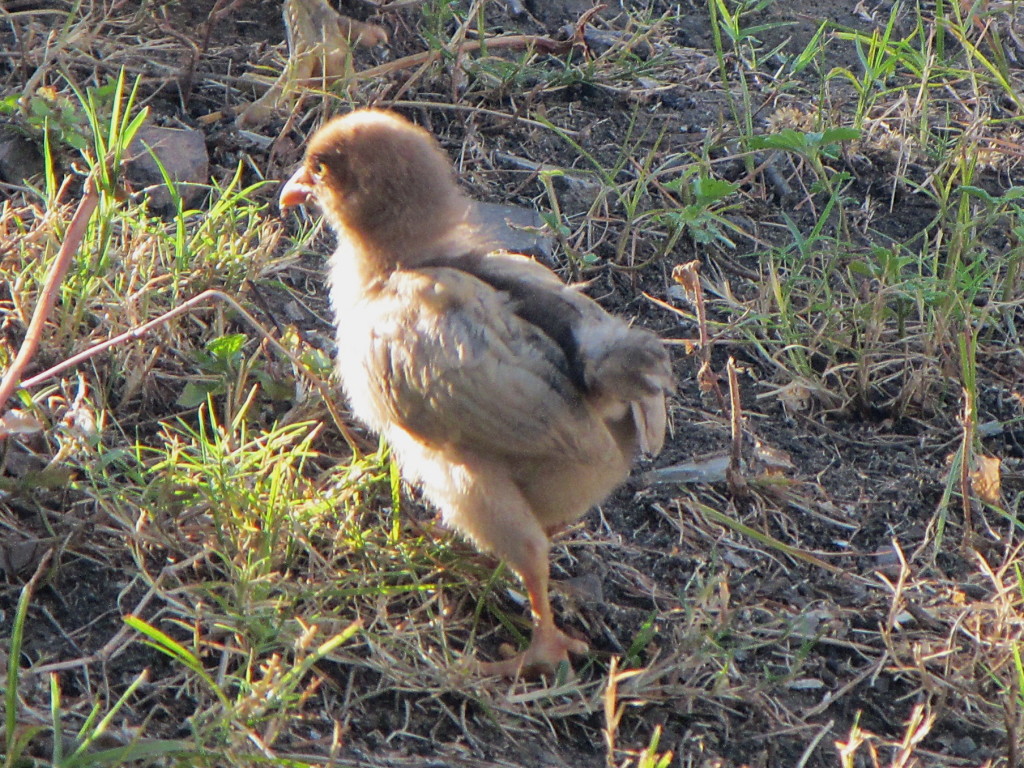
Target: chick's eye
[320,172]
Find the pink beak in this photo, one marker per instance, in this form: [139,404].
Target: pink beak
[297,190]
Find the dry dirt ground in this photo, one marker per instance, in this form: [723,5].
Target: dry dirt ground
[860,624]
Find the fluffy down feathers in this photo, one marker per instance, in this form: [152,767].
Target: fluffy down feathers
[516,401]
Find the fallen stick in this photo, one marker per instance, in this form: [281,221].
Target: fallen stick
[72,240]
[141,330]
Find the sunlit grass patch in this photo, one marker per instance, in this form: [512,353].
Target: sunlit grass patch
[237,575]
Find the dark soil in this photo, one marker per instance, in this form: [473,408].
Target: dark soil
[864,476]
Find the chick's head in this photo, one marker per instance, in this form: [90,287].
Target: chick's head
[378,179]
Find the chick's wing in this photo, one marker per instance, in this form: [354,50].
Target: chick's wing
[459,366]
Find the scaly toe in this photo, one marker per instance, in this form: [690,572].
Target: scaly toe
[547,651]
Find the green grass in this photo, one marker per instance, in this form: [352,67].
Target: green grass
[270,590]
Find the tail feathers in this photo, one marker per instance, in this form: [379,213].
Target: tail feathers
[625,362]
[629,366]
[650,418]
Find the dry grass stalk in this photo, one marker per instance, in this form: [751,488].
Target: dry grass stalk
[33,334]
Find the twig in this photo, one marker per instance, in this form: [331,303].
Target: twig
[966,455]
[72,240]
[813,744]
[541,43]
[734,473]
[141,330]
[735,416]
[688,276]
[764,538]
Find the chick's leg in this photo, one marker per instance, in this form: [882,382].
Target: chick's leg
[497,516]
[549,645]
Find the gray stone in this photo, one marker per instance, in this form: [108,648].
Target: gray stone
[600,41]
[19,157]
[577,191]
[514,229]
[181,151]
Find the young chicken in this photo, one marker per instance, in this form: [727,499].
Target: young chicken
[515,401]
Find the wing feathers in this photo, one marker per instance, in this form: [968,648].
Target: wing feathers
[520,363]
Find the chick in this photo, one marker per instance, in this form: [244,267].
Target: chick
[515,401]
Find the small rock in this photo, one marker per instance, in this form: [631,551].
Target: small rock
[576,191]
[888,559]
[586,588]
[22,556]
[806,684]
[600,41]
[515,9]
[182,152]
[19,157]
[965,747]
[514,229]
[704,470]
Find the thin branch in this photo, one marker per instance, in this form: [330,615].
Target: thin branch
[72,240]
[141,330]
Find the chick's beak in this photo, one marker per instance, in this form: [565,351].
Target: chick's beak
[297,190]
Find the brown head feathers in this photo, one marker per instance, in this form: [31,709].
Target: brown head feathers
[385,185]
